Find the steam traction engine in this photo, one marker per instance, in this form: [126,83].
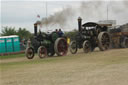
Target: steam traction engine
[46,44]
[90,36]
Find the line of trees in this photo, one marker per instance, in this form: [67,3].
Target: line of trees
[25,34]
[21,32]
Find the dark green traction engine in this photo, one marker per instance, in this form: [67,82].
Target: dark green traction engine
[46,44]
[90,35]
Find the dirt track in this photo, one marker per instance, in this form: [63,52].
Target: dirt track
[96,68]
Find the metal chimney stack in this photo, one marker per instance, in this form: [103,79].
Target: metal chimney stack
[79,24]
[35,29]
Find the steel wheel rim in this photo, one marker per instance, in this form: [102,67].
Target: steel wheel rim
[105,41]
[73,47]
[86,47]
[30,53]
[42,52]
[62,47]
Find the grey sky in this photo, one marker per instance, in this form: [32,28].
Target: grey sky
[24,13]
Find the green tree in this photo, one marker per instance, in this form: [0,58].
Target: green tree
[6,31]
[21,32]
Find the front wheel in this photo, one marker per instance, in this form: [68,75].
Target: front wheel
[73,47]
[29,52]
[86,46]
[42,52]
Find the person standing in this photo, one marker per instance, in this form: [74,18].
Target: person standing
[60,33]
[56,30]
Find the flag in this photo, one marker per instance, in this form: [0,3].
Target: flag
[38,16]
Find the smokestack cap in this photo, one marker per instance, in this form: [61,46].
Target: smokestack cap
[35,24]
[38,22]
[79,18]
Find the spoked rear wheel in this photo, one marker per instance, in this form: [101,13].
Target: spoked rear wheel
[42,52]
[29,52]
[61,47]
[104,41]
[73,47]
[86,46]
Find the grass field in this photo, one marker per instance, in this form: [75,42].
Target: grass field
[11,56]
[96,68]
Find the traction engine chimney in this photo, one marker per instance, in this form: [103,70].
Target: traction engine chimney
[35,29]
[79,24]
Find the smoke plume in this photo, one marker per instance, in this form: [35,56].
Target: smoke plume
[91,9]
[59,18]
[88,10]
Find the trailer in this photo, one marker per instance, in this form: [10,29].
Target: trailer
[119,40]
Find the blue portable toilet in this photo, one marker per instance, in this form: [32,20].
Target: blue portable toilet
[16,43]
[9,44]
[2,45]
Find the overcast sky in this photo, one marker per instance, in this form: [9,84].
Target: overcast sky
[23,13]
